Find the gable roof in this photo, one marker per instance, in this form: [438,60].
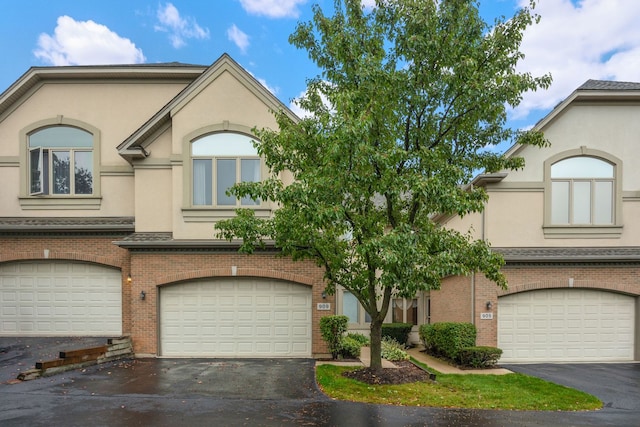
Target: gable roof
[133,146]
[591,90]
[608,85]
[36,76]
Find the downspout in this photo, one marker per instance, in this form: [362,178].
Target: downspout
[473,298]
[473,275]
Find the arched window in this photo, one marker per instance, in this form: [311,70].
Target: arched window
[60,161]
[220,160]
[583,191]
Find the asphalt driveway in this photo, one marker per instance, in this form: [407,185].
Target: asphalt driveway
[251,392]
[617,385]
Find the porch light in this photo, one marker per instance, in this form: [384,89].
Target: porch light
[129,279]
[489,305]
[143,295]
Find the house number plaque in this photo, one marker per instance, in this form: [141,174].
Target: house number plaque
[324,306]
[486,316]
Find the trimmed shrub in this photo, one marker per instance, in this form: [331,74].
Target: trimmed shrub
[392,350]
[479,357]
[360,338]
[426,333]
[350,348]
[447,338]
[397,331]
[332,329]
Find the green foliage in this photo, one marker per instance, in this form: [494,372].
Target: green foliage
[392,350]
[426,332]
[478,357]
[332,329]
[350,348]
[359,338]
[446,339]
[397,331]
[411,98]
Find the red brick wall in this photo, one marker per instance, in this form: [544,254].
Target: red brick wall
[151,270]
[452,303]
[624,279]
[99,250]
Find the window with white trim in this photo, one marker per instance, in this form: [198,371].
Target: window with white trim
[60,162]
[219,161]
[352,308]
[582,191]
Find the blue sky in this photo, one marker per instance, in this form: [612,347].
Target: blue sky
[574,41]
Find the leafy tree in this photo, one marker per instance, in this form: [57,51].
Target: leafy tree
[413,95]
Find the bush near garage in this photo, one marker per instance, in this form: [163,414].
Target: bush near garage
[332,329]
[397,331]
[478,357]
[456,342]
[446,339]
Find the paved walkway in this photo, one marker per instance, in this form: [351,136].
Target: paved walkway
[432,362]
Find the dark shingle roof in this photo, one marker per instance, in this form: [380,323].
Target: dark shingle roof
[166,241]
[608,85]
[587,254]
[67,223]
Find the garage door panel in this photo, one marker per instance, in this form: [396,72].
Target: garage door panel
[578,325]
[238,317]
[60,298]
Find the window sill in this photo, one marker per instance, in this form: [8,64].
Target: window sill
[582,232]
[212,214]
[58,202]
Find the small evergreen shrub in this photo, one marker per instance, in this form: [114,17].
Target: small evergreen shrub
[332,329]
[350,348]
[392,350]
[360,338]
[397,331]
[478,357]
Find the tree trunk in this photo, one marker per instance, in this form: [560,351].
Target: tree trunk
[376,344]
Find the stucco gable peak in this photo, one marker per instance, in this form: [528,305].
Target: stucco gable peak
[132,147]
[591,90]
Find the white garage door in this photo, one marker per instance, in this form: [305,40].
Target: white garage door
[566,325]
[49,298]
[235,318]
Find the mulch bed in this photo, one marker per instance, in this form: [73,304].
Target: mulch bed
[406,372]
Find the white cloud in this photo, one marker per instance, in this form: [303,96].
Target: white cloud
[368,4]
[85,43]
[263,82]
[273,8]
[294,105]
[180,29]
[238,37]
[577,41]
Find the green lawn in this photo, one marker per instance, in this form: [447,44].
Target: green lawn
[512,391]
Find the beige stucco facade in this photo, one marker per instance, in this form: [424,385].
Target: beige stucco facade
[141,219]
[595,261]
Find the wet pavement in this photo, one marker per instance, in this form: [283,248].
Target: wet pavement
[240,392]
